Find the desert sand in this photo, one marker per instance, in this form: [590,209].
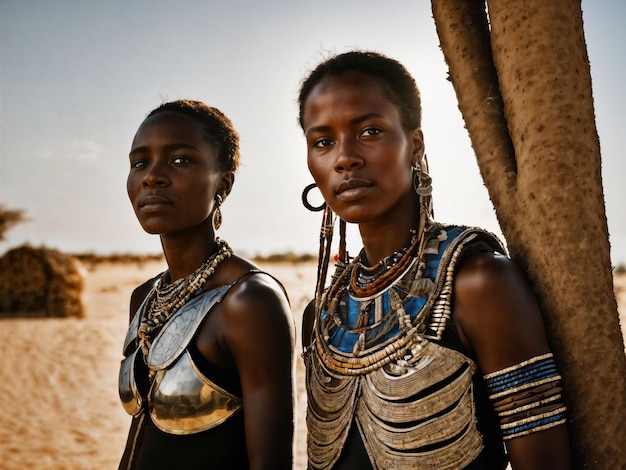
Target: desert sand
[59,408]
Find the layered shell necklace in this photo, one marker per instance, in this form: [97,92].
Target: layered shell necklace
[167,297]
[385,331]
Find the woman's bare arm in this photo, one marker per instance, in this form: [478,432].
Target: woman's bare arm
[259,333]
[498,318]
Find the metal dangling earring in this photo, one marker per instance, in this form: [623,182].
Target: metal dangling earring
[423,187]
[422,182]
[415,171]
[305,199]
[217,213]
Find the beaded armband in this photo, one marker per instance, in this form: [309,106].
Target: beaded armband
[527,396]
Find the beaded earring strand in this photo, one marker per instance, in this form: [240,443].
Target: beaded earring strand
[167,298]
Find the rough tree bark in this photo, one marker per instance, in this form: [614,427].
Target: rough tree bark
[523,83]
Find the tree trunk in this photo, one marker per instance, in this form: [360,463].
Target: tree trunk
[524,89]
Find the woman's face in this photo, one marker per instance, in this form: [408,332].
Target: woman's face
[174,174]
[358,151]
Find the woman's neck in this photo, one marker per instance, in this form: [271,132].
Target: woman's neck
[184,255]
[380,242]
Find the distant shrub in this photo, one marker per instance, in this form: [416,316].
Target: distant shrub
[286,258]
[620,269]
[91,260]
[40,282]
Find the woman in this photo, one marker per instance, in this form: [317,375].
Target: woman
[427,350]
[209,353]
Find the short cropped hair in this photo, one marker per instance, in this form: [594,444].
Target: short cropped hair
[396,82]
[217,129]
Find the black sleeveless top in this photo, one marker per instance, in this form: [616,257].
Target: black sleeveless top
[222,447]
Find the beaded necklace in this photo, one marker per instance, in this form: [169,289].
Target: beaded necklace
[366,275]
[402,276]
[168,297]
[348,281]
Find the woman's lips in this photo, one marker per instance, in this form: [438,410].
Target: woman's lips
[352,188]
[153,202]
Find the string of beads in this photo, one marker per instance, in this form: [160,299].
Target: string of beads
[407,263]
[168,297]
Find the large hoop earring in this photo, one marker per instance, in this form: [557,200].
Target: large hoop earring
[217,213]
[305,199]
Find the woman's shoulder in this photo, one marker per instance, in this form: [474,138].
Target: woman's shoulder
[483,272]
[497,312]
[253,288]
[488,281]
[244,275]
[255,308]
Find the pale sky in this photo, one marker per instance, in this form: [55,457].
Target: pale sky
[78,77]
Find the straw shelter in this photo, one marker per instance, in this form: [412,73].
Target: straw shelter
[40,282]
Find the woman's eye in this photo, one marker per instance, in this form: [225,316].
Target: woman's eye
[322,143]
[137,164]
[180,159]
[371,131]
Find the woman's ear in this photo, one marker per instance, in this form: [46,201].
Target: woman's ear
[417,140]
[226,184]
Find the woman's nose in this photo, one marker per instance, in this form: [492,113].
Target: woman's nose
[348,158]
[155,176]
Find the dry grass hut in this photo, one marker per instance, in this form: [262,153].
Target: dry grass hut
[40,282]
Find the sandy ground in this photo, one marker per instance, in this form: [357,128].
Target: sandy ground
[59,407]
